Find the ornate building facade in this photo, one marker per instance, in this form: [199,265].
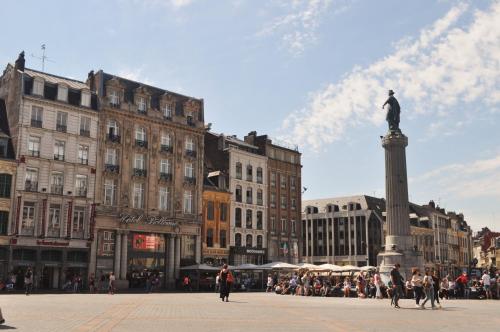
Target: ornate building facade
[150,178]
[53,123]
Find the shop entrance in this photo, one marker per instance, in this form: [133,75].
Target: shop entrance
[50,277]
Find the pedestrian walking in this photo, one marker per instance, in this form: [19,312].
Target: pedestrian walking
[226,280]
[418,286]
[347,287]
[436,285]
[397,285]
[429,290]
[486,281]
[377,281]
[186,283]
[92,288]
[28,281]
[217,283]
[270,283]
[111,286]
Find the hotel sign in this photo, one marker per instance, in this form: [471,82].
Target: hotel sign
[146,220]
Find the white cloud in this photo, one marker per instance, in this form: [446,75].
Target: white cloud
[445,66]
[175,4]
[297,28]
[180,3]
[480,178]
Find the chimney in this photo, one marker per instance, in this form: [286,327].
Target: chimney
[432,204]
[19,65]
[91,80]
[250,138]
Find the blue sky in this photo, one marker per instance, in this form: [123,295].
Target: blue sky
[311,72]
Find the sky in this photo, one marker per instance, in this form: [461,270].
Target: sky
[313,73]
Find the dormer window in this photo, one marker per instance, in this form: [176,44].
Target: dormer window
[114,99]
[85,99]
[62,93]
[141,104]
[190,119]
[38,86]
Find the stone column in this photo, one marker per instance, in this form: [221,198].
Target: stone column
[118,250]
[177,256]
[198,249]
[123,261]
[307,239]
[396,188]
[170,273]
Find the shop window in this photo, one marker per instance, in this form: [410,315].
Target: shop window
[4,222]
[52,255]
[259,241]
[24,255]
[210,238]
[77,256]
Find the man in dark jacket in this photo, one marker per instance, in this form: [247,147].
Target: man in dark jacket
[397,284]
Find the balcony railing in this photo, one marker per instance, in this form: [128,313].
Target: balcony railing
[141,143]
[190,180]
[34,153]
[110,168]
[259,201]
[61,128]
[59,157]
[53,232]
[143,112]
[83,161]
[31,186]
[84,132]
[81,192]
[190,122]
[259,179]
[249,200]
[166,148]
[166,176]
[167,117]
[56,189]
[191,153]
[113,138]
[114,104]
[36,123]
[140,172]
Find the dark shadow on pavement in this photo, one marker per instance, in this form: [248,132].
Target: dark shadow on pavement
[7,327]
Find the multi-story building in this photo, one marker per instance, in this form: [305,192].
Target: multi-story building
[53,122]
[422,234]
[8,168]
[247,171]
[284,197]
[150,179]
[486,248]
[343,231]
[216,220]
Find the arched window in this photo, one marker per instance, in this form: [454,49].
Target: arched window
[237,240]
[5,185]
[237,217]
[259,241]
[259,219]
[238,194]
[249,173]
[249,195]
[249,219]
[249,241]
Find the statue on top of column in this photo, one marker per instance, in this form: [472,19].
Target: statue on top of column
[393,112]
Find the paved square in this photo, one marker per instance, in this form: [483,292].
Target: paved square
[246,312]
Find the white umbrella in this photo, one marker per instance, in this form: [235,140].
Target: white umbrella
[347,268]
[201,267]
[368,268]
[246,267]
[330,267]
[307,266]
[278,266]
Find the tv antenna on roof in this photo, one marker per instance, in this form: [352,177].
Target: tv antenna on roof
[43,57]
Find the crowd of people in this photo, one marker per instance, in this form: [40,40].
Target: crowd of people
[423,287]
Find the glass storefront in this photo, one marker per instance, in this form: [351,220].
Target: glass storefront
[146,258]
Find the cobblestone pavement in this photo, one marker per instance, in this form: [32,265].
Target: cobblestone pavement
[245,312]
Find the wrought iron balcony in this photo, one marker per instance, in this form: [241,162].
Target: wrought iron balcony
[143,112]
[84,132]
[166,176]
[167,117]
[141,143]
[140,172]
[83,161]
[36,123]
[81,192]
[61,128]
[113,138]
[31,185]
[59,157]
[109,168]
[56,189]
[190,180]
[166,148]
[190,122]
[34,153]
[191,153]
